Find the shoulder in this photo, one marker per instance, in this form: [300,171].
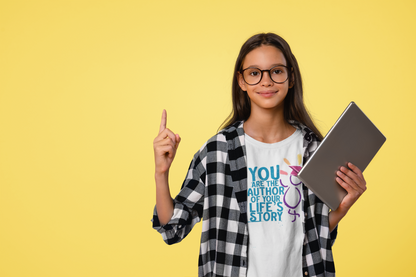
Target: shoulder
[310,140]
[307,133]
[226,139]
[217,148]
[233,131]
[229,136]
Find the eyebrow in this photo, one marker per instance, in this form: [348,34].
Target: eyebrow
[273,65]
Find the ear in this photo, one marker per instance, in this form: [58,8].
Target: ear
[292,79]
[241,82]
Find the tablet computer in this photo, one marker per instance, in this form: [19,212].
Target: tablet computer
[353,138]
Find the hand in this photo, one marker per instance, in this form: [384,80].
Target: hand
[352,180]
[165,146]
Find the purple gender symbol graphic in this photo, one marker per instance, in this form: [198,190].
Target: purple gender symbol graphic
[295,171]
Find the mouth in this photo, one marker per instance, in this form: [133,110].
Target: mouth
[268,93]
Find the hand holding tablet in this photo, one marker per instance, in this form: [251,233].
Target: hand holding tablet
[353,139]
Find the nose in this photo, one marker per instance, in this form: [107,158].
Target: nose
[266,80]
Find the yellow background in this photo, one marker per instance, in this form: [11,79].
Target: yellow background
[82,88]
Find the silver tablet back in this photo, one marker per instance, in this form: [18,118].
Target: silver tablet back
[353,138]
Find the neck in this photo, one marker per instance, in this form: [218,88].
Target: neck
[268,125]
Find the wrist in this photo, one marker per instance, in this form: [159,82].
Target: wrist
[339,213]
[161,177]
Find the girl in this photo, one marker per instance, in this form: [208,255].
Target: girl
[258,218]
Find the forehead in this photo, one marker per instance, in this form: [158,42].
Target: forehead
[264,56]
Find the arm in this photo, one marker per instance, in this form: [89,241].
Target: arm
[164,203]
[164,146]
[352,180]
[187,207]
[175,218]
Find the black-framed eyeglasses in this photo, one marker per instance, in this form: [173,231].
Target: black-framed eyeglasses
[278,74]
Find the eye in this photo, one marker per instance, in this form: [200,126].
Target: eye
[277,70]
[252,72]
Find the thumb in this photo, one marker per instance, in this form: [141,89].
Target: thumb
[178,140]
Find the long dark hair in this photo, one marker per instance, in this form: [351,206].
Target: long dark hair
[294,108]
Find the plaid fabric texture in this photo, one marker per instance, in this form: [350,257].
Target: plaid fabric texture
[215,190]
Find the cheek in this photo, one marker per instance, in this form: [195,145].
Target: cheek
[285,87]
[250,91]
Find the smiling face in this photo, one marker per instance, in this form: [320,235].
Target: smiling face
[266,94]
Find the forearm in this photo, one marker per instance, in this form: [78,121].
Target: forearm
[334,218]
[164,203]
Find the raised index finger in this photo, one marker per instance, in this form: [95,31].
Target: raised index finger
[163,121]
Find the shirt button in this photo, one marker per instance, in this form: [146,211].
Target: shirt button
[306,273]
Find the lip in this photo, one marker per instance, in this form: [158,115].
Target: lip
[267,93]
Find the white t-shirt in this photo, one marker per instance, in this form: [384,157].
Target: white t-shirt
[274,198]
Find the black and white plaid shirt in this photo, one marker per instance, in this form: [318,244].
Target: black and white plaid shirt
[215,190]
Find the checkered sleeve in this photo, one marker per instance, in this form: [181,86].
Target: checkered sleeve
[334,234]
[188,204]
[317,250]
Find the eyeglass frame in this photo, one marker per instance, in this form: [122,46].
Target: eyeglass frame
[261,72]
